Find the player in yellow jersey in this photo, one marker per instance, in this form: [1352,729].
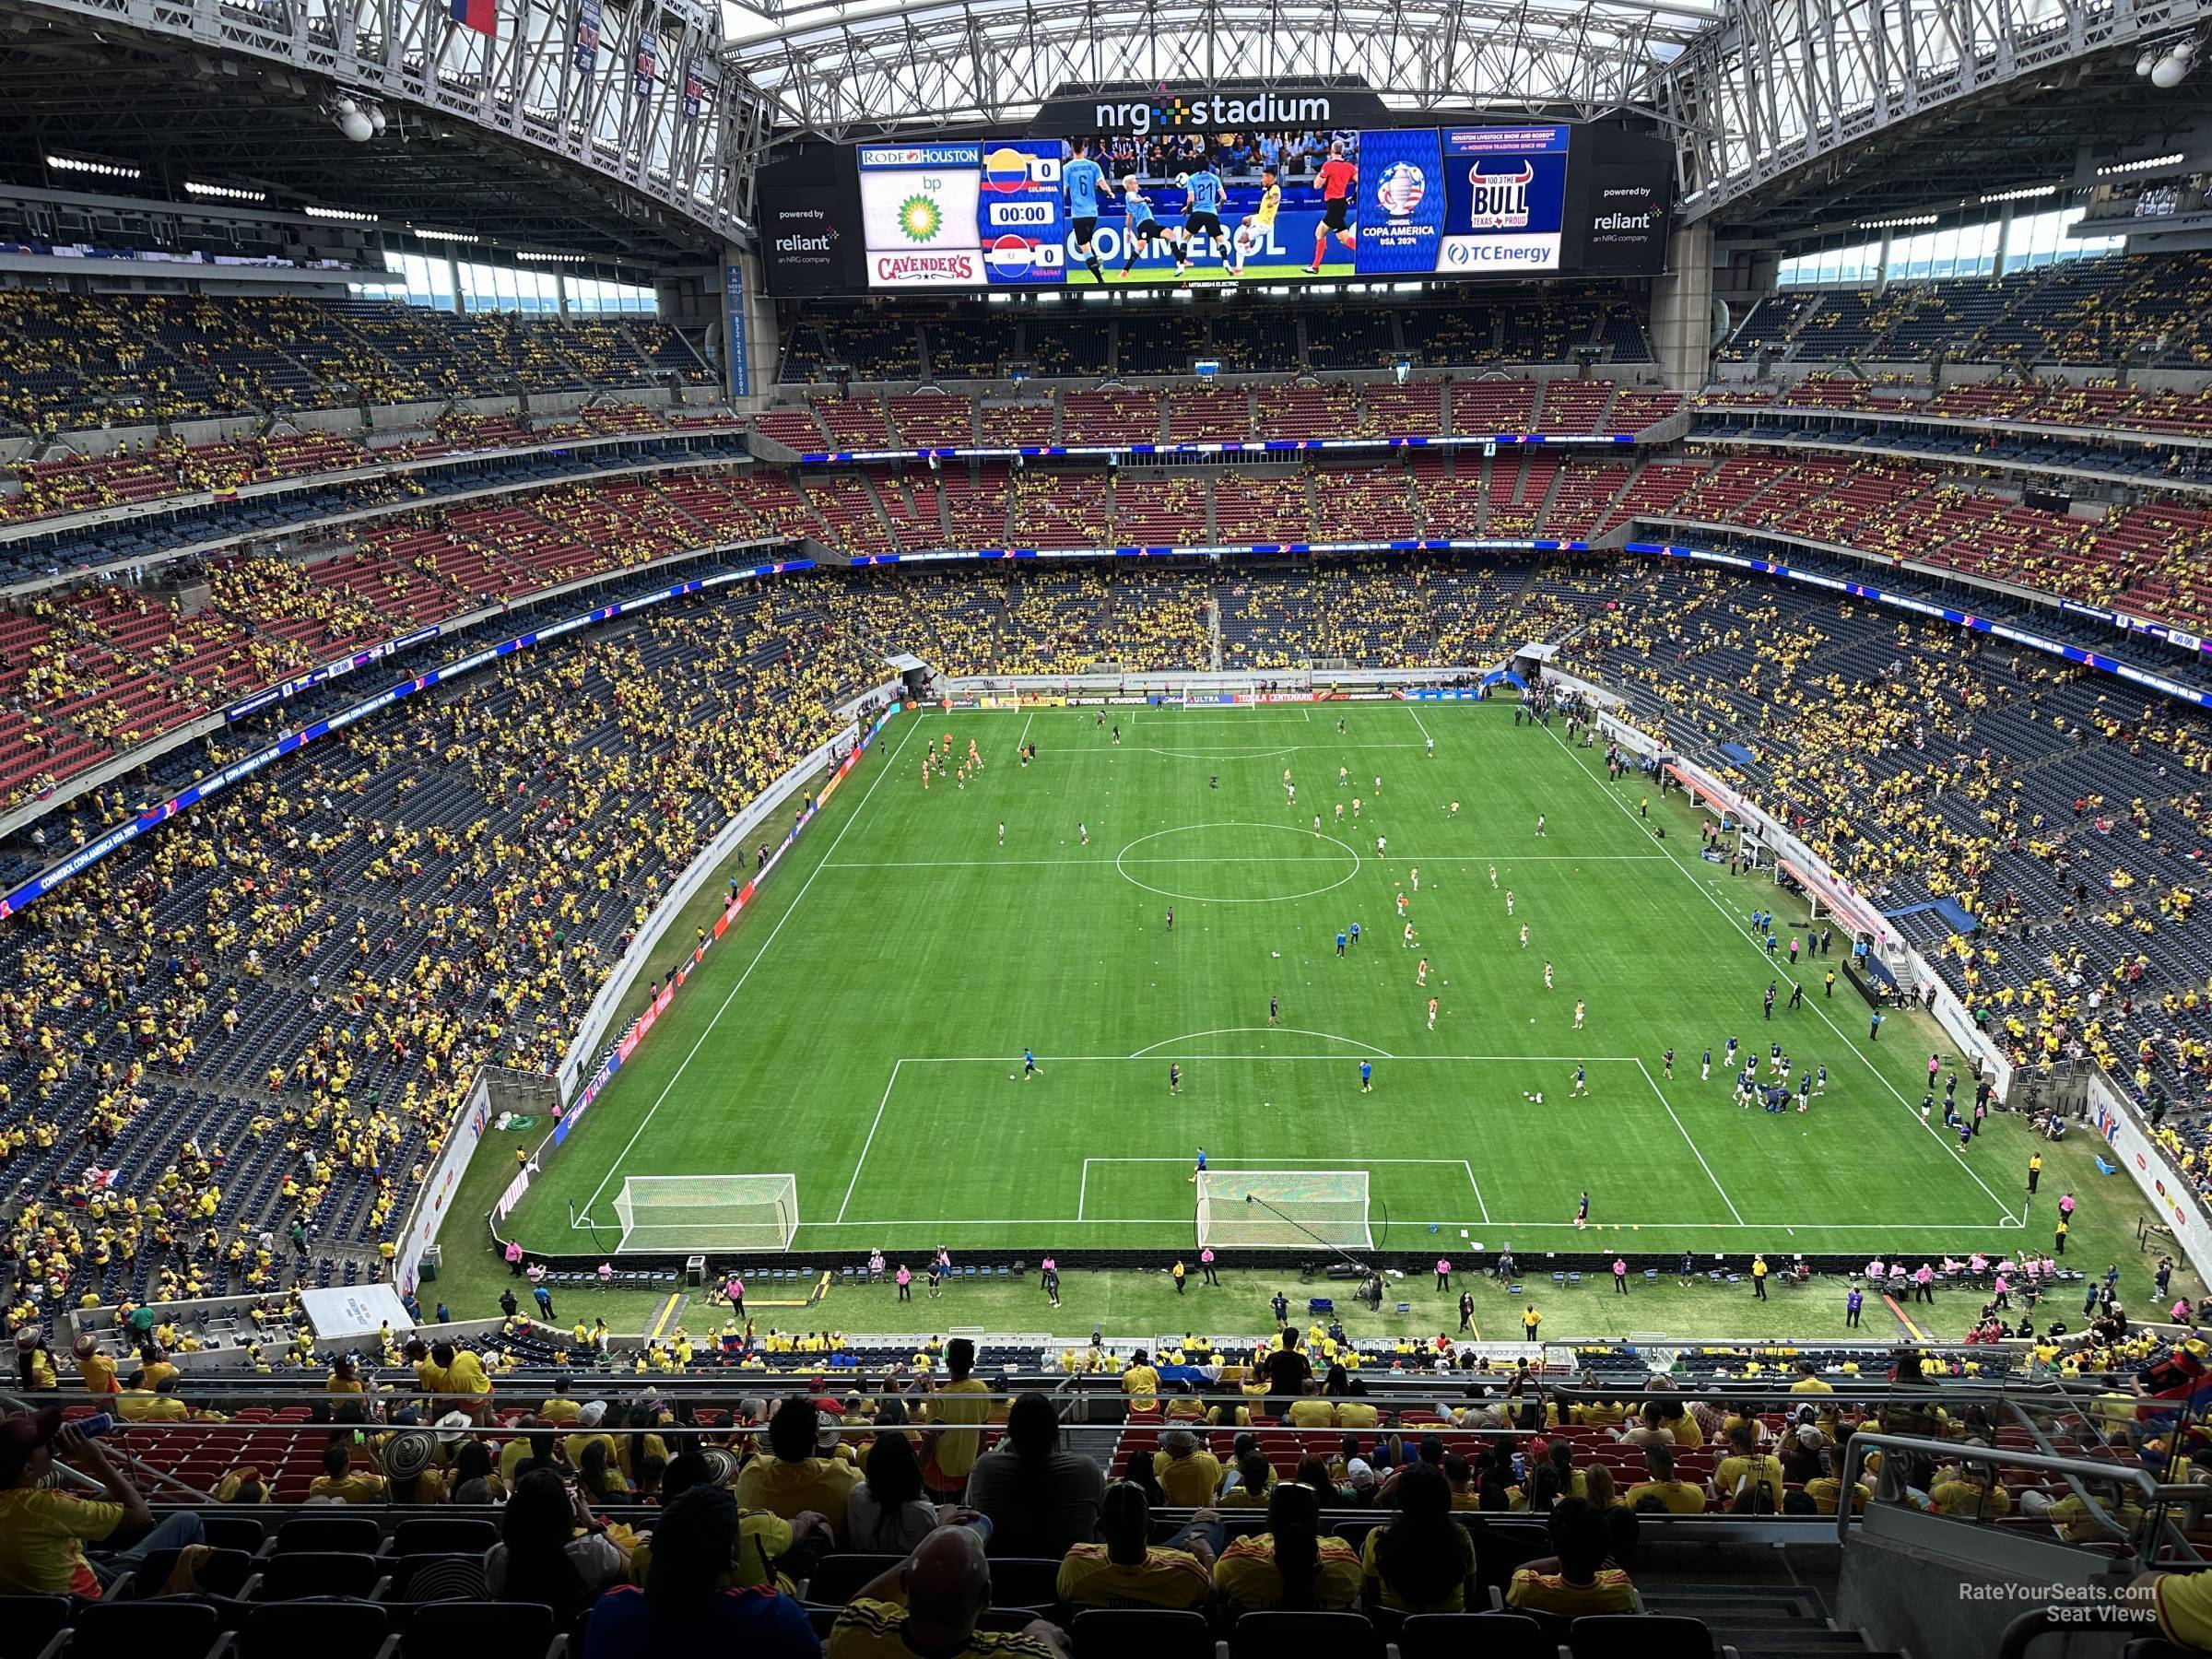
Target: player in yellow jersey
[1254,233]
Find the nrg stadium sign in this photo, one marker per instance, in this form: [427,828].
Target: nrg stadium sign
[1136,110]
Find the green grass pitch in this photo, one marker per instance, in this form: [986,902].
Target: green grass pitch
[863,1030]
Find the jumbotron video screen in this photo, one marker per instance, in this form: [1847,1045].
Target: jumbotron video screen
[1153,199]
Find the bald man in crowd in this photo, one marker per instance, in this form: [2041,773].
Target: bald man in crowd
[929,1604]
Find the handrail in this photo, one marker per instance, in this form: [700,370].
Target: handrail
[2022,1632]
[2140,1478]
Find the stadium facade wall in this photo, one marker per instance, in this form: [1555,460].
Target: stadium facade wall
[731,839]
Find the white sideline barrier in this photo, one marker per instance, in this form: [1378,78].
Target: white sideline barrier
[426,1216]
[2172,1199]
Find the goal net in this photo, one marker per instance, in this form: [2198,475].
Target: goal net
[1283,1209]
[708,1212]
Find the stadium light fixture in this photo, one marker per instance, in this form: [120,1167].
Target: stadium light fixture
[2148,163]
[2147,62]
[1904,221]
[549,258]
[222,192]
[446,236]
[2172,70]
[342,215]
[353,120]
[2025,193]
[104,169]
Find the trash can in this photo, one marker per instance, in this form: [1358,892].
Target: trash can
[433,1257]
[695,1271]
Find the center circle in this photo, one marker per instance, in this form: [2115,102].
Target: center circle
[1185,858]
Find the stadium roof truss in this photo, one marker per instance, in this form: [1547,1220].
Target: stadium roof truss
[524,82]
[863,68]
[1784,84]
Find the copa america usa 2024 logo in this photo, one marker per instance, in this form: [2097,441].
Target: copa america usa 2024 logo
[1400,188]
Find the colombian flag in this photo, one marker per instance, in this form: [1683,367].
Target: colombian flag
[483,16]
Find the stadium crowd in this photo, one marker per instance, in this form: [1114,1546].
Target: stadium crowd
[901,1505]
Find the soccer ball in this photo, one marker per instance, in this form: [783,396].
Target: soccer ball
[1182,180]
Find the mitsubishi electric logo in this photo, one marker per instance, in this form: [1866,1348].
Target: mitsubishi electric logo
[1215,112]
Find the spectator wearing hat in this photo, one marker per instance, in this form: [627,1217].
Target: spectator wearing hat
[43,1531]
[410,1469]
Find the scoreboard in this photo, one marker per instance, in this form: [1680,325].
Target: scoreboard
[1472,200]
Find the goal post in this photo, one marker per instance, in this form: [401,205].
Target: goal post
[697,1213]
[1283,1209]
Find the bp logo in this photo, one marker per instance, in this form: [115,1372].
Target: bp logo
[920,218]
[1400,188]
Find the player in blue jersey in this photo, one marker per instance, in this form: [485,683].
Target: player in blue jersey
[1202,217]
[1142,226]
[1082,176]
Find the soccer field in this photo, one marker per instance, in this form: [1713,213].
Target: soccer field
[864,1034]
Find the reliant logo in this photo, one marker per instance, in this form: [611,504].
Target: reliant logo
[1214,112]
[804,244]
[1622,221]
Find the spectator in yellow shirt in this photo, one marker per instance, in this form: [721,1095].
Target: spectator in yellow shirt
[962,1400]
[1424,1560]
[340,1482]
[1189,1474]
[1676,1497]
[1746,1468]
[1129,1570]
[794,1478]
[1290,1564]
[1971,1494]
[1809,1380]
[1576,1580]
[1827,1489]
[43,1531]
[1141,1382]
